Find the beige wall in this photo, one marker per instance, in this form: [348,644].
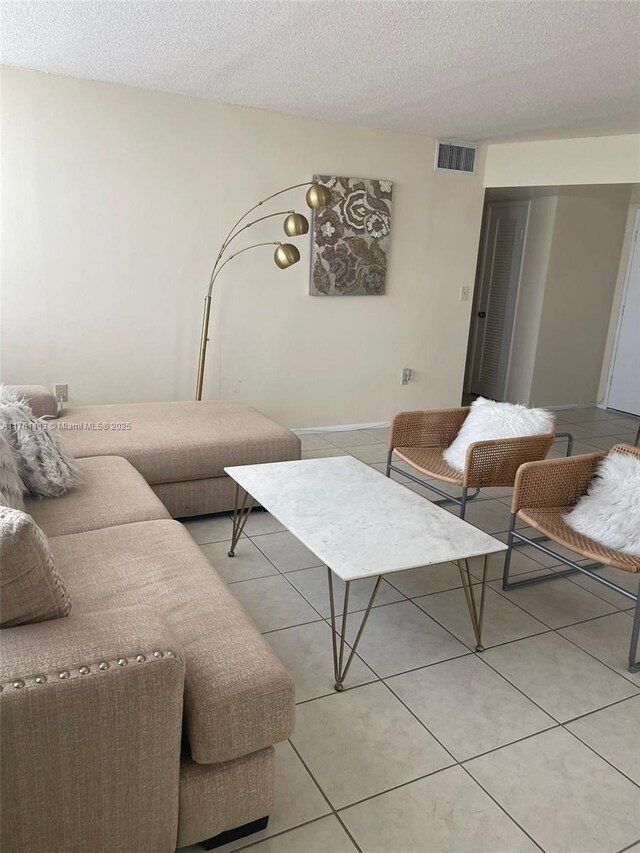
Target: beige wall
[115,200]
[562,162]
[581,276]
[634,206]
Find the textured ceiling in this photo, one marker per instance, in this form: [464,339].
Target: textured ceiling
[466,70]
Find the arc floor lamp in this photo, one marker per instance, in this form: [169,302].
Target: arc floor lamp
[284,256]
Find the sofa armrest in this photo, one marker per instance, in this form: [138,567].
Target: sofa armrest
[495,462]
[42,401]
[91,722]
[553,482]
[432,428]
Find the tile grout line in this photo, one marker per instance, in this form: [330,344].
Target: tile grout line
[455,762]
[382,679]
[255,842]
[630,846]
[495,581]
[315,621]
[497,645]
[282,575]
[574,579]
[486,648]
[587,652]
[461,764]
[602,757]
[503,809]
[597,710]
[548,713]
[556,725]
[502,592]
[334,811]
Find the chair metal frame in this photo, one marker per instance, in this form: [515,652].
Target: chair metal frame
[446,424]
[562,489]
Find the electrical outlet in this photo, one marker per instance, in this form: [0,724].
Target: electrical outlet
[406,375]
[465,294]
[62,393]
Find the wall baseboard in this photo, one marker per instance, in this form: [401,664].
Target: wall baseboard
[341,427]
[570,406]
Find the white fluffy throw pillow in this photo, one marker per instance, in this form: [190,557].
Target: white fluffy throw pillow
[488,419]
[610,511]
[11,486]
[45,466]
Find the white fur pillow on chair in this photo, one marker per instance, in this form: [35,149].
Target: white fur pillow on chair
[610,511]
[488,419]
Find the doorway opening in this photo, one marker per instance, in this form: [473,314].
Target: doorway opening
[495,295]
[549,325]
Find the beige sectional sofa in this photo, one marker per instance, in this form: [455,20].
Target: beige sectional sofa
[181,449]
[145,719]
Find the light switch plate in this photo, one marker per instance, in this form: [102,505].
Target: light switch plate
[465,294]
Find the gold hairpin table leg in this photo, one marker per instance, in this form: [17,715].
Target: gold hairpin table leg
[475,613]
[241,513]
[340,669]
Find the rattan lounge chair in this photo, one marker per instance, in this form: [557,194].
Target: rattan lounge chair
[544,492]
[419,438]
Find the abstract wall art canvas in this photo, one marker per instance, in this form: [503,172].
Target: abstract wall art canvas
[350,238]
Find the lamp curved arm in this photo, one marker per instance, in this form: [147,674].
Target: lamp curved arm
[215,273]
[204,338]
[232,236]
[263,201]
[286,260]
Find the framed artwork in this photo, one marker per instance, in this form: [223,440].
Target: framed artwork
[350,238]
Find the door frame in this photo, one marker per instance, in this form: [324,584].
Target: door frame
[480,270]
[634,246]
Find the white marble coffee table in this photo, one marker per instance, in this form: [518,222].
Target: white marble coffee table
[360,524]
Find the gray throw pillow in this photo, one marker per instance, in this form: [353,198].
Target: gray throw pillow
[31,590]
[46,468]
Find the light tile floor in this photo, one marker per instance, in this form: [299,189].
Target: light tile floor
[532,745]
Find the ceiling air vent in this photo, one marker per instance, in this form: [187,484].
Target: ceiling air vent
[455,157]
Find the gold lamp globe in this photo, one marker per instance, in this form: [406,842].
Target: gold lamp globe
[286,255]
[295,224]
[318,196]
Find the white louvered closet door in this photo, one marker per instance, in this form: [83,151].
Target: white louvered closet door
[499,276]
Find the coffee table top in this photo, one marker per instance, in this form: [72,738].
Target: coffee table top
[357,521]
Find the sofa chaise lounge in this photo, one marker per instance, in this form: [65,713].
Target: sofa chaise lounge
[180,448]
[145,720]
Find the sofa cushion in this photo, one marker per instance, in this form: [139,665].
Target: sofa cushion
[172,442]
[112,492]
[197,497]
[238,696]
[31,589]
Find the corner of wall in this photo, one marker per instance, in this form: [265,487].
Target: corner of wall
[616,306]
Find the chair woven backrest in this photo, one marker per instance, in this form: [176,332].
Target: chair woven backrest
[412,429]
[496,462]
[626,448]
